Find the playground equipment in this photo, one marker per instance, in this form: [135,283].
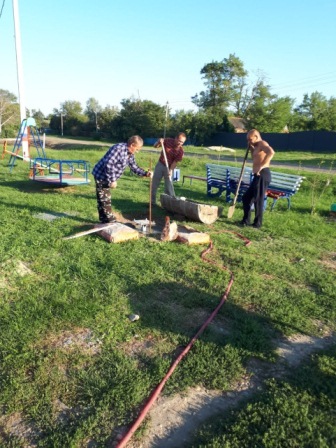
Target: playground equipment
[27,131]
[42,168]
[62,172]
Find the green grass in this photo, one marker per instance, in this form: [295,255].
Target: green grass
[73,368]
[294,412]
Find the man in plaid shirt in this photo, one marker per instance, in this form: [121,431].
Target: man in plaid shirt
[108,170]
[174,153]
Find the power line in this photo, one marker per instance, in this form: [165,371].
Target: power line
[2,7]
[326,78]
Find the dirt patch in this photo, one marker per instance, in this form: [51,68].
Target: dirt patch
[17,267]
[15,425]
[329,260]
[136,348]
[10,270]
[174,420]
[68,143]
[77,339]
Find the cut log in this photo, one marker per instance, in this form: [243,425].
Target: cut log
[169,232]
[192,210]
[190,238]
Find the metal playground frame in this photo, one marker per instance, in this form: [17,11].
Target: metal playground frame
[43,169]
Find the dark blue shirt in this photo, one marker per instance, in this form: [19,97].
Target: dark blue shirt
[114,163]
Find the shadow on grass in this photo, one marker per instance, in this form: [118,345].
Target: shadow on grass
[172,307]
[29,186]
[43,210]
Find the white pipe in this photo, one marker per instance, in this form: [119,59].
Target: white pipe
[19,60]
[165,123]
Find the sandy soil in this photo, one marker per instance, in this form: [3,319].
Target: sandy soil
[174,420]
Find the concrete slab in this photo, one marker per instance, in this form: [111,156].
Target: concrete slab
[190,237]
[118,233]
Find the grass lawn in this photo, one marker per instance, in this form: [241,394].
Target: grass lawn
[75,371]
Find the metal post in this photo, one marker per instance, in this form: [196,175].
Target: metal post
[19,60]
[23,129]
[165,124]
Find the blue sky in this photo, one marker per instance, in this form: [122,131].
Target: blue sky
[154,50]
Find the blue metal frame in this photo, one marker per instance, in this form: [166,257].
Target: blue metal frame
[62,172]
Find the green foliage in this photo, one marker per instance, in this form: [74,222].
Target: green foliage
[315,112]
[9,114]
[138,117]
[224,81]
[296,412]
[106,119]
[39,119]
[73,366]
[267,111]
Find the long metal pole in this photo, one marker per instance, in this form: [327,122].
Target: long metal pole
[22,99]
[19,60]
[165,124]
[167,166]
[150,198]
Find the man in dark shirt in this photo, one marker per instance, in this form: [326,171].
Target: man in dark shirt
[174,151]
[108,170]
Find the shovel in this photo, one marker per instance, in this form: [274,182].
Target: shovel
[233,206]
[87,232]
[165,157]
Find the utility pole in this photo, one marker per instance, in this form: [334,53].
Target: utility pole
[23,130]
[165,124]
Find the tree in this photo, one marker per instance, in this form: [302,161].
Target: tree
[138,117]
[331,113]
[225,82]
[69,115]
[182,121]
[9,110]
[92,109]
[312,113]
[268,112]
[39,118]
[106,119]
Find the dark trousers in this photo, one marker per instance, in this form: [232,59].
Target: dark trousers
[104,202]
[255,195]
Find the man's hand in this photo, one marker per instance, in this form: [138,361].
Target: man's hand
[113,184]
[149,174]
[159,143]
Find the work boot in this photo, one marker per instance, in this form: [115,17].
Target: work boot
[108,220]
[244,223]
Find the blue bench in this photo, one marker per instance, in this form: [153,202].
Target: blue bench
[221,178]
[283,186]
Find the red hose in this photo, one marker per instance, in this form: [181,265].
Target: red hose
[173,366]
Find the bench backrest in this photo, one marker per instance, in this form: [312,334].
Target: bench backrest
[285,182]
[221,172]
[279,180]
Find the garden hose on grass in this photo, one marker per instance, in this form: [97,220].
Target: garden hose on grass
[173,366]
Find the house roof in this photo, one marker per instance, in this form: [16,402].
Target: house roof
[238,124]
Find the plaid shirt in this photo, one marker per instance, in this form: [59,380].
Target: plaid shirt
[114,163]
[173,153]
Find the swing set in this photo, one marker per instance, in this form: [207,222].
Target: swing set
[43,169]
